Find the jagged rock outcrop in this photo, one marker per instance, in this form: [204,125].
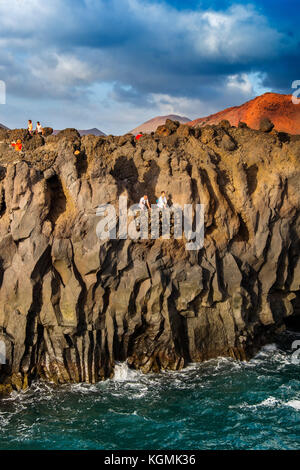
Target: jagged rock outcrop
[151,125]
[82,132]
[266,125]
[72,305]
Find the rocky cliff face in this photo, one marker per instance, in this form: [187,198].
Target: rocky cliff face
[72,305]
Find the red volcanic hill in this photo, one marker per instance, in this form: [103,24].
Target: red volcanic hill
[278,108]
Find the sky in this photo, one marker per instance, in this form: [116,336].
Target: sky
[113,64]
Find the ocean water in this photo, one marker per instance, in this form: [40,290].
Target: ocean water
[219,404]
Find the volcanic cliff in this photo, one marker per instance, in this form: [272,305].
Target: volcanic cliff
[72,305]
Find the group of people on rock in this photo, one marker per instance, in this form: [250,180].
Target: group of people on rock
[38,130]
[161,203]
[18,146]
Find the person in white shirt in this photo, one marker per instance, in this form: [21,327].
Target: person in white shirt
[162,201]
[144,203]
[39,129]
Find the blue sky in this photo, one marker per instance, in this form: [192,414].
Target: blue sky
[113,64]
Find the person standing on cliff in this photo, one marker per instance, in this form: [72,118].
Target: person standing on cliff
[30,127]
[138,136]
[162,205]
[144,203]
[162,202]
[39,129]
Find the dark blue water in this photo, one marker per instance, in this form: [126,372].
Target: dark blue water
[220,404]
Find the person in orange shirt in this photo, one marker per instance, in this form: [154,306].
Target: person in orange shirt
[139,136]
[17,145]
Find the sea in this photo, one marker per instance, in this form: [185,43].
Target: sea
[216,405]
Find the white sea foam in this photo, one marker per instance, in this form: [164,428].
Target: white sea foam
[84,388]
[270,402]
[294,404]
[123,373]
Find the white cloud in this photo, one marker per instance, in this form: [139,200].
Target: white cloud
[60,69]
[240,82]
[191,108]
[247,83]
[239,33]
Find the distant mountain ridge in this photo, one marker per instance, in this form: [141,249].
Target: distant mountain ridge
[152,124]
[93,131]
[278,108]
